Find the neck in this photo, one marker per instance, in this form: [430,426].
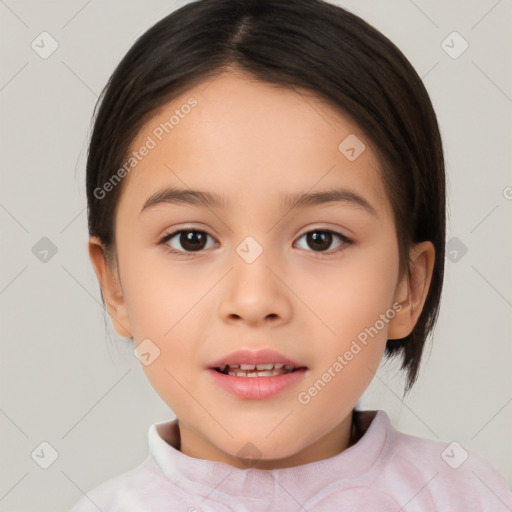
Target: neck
[341,437]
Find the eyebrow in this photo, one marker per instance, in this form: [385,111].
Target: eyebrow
[173,195]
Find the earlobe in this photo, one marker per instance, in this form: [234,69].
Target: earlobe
[412,290]
[110,287]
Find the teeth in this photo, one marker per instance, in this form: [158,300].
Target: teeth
[265,373]
[255,370]
[249,367]
[268,366]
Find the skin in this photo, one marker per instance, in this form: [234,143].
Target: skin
[251,142]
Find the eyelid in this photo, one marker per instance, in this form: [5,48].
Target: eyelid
[174,230]
[334,230]
[171,234]
[324,227]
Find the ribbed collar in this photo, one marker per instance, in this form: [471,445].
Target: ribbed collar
[200,477]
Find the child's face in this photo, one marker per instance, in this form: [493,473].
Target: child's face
[252,144]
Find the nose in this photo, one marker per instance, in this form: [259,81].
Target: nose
[255,293]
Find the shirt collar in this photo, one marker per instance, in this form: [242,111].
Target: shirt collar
[202,477]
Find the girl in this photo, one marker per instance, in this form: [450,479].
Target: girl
[266,193]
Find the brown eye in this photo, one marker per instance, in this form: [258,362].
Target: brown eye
[186,240]
[321,240]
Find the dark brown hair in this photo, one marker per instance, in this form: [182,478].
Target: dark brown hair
[308,44]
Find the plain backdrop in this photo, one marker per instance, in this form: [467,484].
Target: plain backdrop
[68,381]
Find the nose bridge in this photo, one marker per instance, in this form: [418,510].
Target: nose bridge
[251,275]
[254,293]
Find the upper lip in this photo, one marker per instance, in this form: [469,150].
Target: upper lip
[254,357]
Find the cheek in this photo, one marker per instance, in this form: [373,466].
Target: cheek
[163,320]
[355,305]
[162,297]
[351,296]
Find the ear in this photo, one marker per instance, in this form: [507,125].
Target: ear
[411,294]
[110,287]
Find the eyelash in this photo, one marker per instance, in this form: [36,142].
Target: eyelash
[346,242]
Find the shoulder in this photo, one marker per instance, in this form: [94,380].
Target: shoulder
[132,490]
[434,475]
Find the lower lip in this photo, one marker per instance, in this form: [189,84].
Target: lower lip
[257,388]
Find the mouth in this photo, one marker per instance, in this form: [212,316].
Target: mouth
[256,374]
[256,370]
[257,382]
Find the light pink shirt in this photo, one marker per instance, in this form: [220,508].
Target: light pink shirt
[385,471]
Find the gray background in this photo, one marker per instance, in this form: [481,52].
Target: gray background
[64,382]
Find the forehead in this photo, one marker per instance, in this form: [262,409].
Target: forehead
[245,139]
